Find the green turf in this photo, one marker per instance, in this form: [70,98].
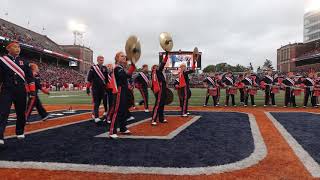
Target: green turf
[197,99]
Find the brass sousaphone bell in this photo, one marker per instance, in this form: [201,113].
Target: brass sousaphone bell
[166,41]
[133,49]
[196,54]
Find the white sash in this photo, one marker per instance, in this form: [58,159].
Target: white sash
[145,78]
[99,73]
[312,81]
[211,80]
[291,81]
[13,66]
[269,77]
[229,79]
[249,80]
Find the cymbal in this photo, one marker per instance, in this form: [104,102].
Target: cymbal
[133,49]
[166,41]
[196,54]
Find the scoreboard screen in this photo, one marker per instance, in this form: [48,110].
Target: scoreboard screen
[177,58]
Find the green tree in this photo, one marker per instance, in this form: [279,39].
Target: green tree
[267,64]
[209,69]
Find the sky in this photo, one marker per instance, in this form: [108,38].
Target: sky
[231,31]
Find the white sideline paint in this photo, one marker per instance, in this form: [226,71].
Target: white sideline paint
[311,165]
[169,136]
[259,153]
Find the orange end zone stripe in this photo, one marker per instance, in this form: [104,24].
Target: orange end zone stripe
[162,129]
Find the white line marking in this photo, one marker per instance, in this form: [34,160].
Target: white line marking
[312,166]
[259,153]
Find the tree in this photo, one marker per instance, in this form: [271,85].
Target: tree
[209,69]
[267,64]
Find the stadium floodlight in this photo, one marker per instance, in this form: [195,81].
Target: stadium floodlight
[78,29]
[312,5]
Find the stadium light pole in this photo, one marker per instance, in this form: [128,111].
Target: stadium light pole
[78,30]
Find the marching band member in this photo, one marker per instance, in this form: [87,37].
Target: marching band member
[121,100]
[309,84]
[110,92]
[97,79]
[159,89]
[35,101]
[218,78]
[17,78]
[142,82]
[184,84]
[267,84]
[251,84]
[228,82]
[239,84]
[289,84]
[212,90]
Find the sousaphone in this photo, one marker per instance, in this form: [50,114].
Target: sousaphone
[133,49]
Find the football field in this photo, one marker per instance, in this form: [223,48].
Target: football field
[197,99]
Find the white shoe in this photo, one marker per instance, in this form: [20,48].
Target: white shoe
[164,121]
[274,105]
[126,132]
[109,122]
[254,105]
[131,118]
[1,142]
[185,115]
[234,105]
[22,136]
[225,105]
[204,105]
[304,106]
[265,105]
[188,113]
[113,136]
[146,110]
[284,106]
[96,120]
[154,123]
[245,105]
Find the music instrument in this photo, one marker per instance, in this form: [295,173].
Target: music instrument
[316,91]
[213,91]
[169,97]
[196,54]
[133,49]
[166,41]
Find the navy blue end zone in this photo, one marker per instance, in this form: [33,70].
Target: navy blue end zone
[215,139]
[54,115]
[305,128]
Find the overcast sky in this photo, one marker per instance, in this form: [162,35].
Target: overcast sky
[232,31]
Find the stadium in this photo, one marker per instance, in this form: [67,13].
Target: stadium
[261,139]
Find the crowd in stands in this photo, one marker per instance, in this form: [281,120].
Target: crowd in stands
[60,78]
[15,32]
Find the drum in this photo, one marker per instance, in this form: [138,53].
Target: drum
[275,89]
[232,91]
[169,97]
[213,91]
[297,92]
[316,92]
[253,91]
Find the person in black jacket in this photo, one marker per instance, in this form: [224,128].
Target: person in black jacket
[184,85]
[229,83]
[17,78]
[251,83]
[35,101]
[309,84]
[97,79]
[212,90]
[159,86]
[121,100]
[289,84]
[142,82]
[267,82]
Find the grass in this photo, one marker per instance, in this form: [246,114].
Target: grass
[197,99]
